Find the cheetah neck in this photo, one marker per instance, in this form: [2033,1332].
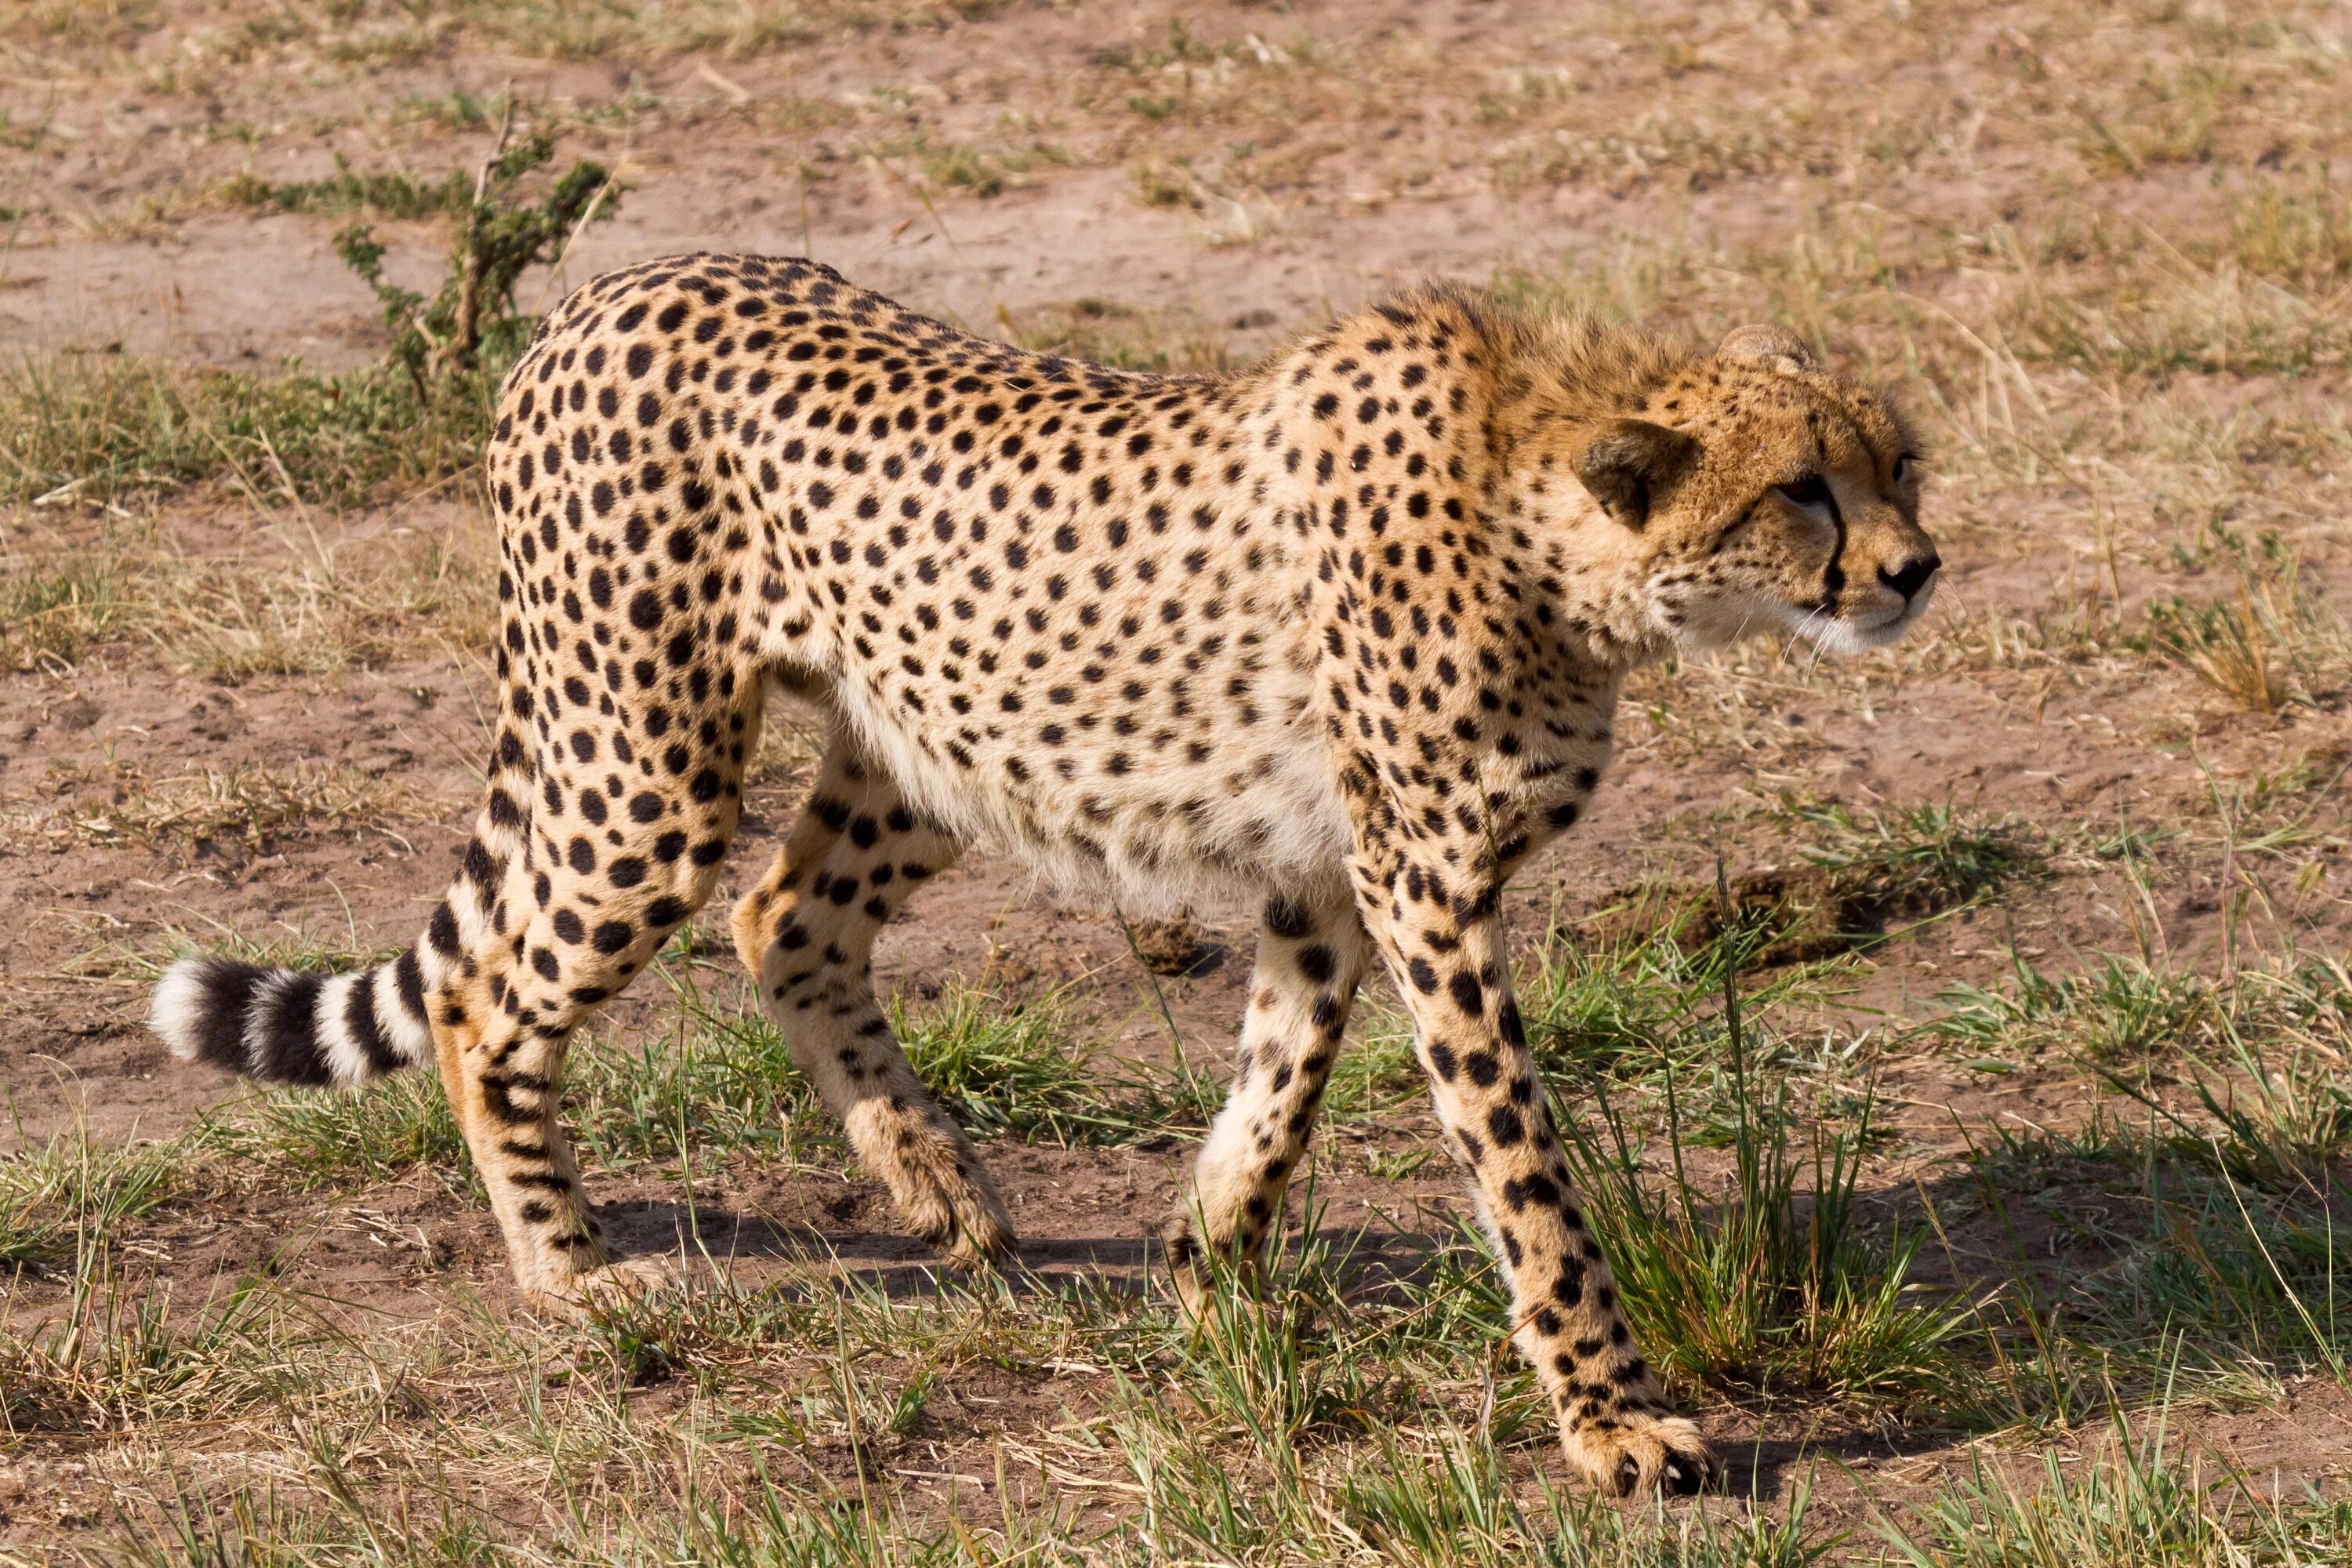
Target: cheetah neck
[1576,565]
[1573,569]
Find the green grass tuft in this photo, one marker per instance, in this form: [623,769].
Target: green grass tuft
[1775,1280]
[69,1194]
[2124,1011]
[2134,1505]
[323,1138]
[1001,1067]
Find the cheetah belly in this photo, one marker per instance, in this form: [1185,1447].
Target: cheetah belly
[1113,817]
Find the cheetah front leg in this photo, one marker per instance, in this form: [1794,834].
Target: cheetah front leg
[1310,960]
[1436,923]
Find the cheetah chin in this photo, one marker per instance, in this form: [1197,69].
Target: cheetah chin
[1840,636]
[1343,633]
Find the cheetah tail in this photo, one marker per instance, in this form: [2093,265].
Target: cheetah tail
[286,1026]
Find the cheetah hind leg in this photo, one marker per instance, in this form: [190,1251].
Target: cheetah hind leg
[807,933]
[937,1182]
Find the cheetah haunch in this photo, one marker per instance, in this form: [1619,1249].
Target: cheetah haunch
[1344,633]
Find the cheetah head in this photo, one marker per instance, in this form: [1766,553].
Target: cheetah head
[1763,493]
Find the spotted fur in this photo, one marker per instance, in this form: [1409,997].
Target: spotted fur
[1343,633]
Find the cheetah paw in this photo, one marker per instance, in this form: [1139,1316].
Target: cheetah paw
[617,1283]
[937,1182]
[958,1213]
[982,1240]
[1194,1275]
[1635,1453]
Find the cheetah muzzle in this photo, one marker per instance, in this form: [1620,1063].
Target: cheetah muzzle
[1343,633]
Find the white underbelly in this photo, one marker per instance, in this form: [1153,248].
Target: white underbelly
[1248,820]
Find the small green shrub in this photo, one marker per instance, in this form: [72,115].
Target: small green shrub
[98,428]
[472,322]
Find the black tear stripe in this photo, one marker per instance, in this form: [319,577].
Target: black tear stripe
[1833,576]
[223,996]
[284,1034]
[360,1018]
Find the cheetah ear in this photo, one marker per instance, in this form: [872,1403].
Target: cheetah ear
[1774,347]
[1628,463]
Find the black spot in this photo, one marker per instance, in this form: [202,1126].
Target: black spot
[1290,921]
[1468,994]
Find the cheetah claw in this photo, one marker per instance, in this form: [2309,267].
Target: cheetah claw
[1644,1453]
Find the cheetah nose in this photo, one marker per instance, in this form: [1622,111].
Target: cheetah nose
[1912,576]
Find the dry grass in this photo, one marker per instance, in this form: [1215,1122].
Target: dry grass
[2271,639]
[70,591]
[1111,332]
[122,805]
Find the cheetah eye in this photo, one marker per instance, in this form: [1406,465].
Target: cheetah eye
[1811,492]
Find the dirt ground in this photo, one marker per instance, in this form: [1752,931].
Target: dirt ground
[2101,251]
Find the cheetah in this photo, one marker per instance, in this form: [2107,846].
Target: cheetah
[1342,634]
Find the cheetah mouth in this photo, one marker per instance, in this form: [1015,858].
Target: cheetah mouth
[1843,634]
